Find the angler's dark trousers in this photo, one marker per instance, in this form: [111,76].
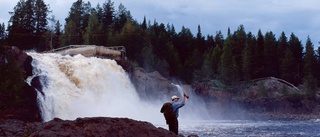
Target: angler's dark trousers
[173,125]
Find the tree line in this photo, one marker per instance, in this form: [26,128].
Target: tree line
[239,56]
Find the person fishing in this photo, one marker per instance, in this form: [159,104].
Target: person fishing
[170,111]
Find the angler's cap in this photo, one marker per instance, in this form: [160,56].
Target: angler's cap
[174,97]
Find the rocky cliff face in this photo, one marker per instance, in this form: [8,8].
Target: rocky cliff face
[26,109]
[152,85]
[267,98]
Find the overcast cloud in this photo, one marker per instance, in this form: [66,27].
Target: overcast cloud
[301,17]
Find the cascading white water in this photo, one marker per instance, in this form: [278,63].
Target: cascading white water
[87,87]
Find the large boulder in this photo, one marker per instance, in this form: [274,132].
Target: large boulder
[84,127]
[152,84]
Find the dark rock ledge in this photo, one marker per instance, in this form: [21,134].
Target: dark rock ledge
[83,127]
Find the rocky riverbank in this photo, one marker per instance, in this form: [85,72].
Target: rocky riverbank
[83,127]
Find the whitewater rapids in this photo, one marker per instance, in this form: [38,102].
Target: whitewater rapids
[78,86]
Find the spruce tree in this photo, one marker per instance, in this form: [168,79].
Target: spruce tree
[271,65]
[309,81]
[227,62]
[108,15]
[239,42]
[41,12]
[297,52]
[91,35]
[216,60]
[259,56]
[287,66]
[248,58]
[74,25]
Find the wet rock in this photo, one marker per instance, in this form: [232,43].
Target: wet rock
[26,107]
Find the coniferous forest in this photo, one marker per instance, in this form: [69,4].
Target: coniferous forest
[174,52]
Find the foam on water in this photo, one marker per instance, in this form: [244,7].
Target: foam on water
[87,87]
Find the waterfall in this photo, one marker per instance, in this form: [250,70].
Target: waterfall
[78,86]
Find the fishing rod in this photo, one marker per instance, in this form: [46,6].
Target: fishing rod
[181,91]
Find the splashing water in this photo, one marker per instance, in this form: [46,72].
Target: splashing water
[77,86]
[180,90]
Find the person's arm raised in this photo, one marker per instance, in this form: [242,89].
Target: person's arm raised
[184,98]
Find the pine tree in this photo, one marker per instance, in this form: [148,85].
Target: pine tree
[57,35]
[248,57]
[193,63]
[287,66]
[122,16]
[70,36]
[16,28]
[271,65]
[91,36]
[74,25]
[183,43]
[219,39]
[216,60]
[297,52]
[41,24]
[282,46]
[173,61]
[144,24]
[200,42]
[309,81]
[239,42]
[28,25]
[227,62]
[108,15]
[259,56]
[205,73]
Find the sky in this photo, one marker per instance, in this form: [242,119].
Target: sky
[301,17]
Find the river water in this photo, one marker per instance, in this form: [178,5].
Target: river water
[249,128]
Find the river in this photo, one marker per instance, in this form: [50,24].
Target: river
[249,128]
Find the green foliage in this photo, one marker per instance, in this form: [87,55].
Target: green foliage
[93,31]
